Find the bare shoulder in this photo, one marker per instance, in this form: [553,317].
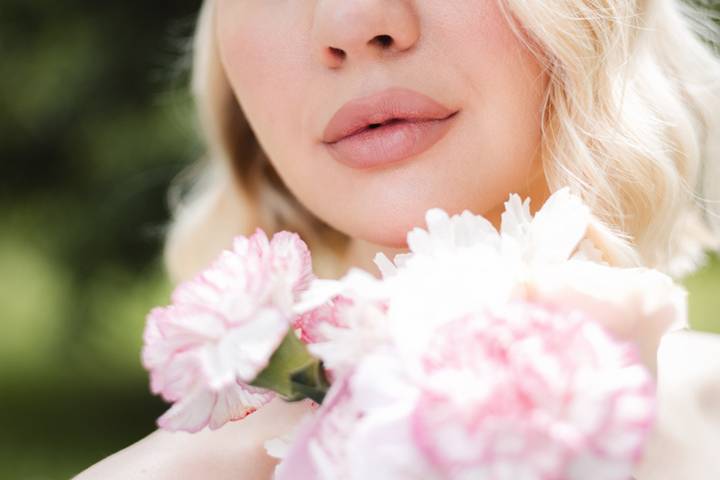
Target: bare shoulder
[235,451]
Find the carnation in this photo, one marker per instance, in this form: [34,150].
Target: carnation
[204,350]
[521,392]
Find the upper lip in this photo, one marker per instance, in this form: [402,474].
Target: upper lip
[395,104]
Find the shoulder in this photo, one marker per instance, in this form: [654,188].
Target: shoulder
[235,451]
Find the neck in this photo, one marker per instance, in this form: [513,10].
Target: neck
[360,254]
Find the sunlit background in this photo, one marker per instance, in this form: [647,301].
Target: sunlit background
[94,124]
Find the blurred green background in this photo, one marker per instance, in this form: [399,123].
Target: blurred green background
[95,122]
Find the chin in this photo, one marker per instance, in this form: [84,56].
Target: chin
[388,238]
[386,226]
[384,231]
[380,207]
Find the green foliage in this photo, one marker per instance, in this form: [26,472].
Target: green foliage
[704,296]
[293,372]
[94,125]
[34,301]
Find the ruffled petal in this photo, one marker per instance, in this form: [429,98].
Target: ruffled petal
[515,220]
[318,451]
[191,414]
[244,350]
[558,227]
[386,267]
[291,255]
[236,402]
[639,305]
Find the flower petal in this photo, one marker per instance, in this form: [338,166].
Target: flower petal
[236,402]
[291,256]
[516,219]
[318,450]
[244,350]
[191,414]
[558,227]
[635,304]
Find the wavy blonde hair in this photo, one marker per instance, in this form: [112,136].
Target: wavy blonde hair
[631,124]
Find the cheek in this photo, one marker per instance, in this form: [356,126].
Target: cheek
[504,78]
[506,87]
[266,70]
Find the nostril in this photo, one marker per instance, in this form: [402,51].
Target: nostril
[337,53]
[383,41]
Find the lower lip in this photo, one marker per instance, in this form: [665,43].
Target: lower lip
[389,144]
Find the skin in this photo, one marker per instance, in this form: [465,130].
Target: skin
[461,53]
[278,58]
[235,451]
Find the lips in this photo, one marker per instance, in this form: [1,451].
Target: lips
[385,128]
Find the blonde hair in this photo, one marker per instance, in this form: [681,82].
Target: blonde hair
[631,124]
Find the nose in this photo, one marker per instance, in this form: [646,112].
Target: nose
[347,30]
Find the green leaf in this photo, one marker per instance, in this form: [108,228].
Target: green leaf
[293,372]
[311,382]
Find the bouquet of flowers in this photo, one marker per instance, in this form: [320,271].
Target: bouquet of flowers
[480,354]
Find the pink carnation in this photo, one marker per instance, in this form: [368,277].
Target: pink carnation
[525,392]
[221,330]
[311,325]
[532,393]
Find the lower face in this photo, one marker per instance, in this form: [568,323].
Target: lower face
[463,54]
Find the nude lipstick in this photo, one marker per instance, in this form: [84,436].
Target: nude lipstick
[385,128]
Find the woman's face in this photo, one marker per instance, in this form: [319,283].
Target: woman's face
[374,111]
